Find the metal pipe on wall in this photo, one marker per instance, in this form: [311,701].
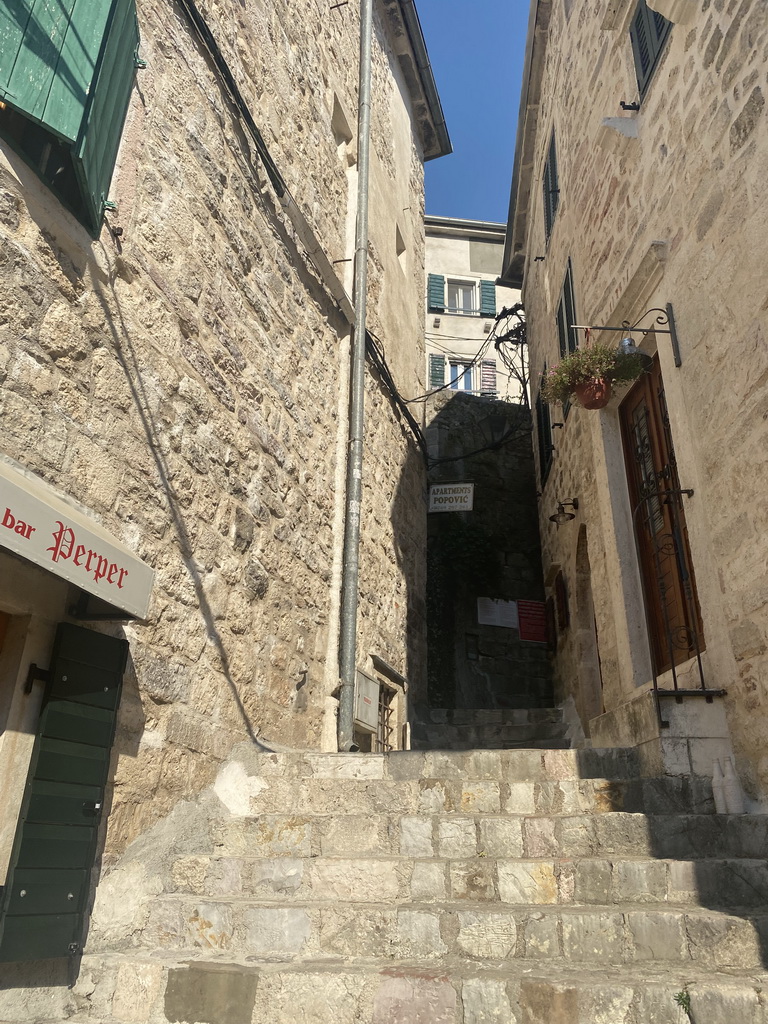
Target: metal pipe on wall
[351,556]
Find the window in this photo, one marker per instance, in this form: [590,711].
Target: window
[461,298]
[551,188]
[648,32]
[544,435]
[66,74]
[461,376]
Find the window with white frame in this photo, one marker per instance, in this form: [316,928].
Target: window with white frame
[461,375]
[462,297]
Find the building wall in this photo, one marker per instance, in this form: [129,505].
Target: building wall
[656,206]
[185,383]
[468,251]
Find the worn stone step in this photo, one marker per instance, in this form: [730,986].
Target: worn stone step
[498,738]
[446,990]
[403,765]
[493,876]
[657,836]
[613,935]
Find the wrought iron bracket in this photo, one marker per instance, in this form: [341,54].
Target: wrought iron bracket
[35,675]
[664,323]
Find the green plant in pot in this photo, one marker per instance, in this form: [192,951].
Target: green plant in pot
[589,374]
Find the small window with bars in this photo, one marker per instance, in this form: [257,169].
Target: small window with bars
[648,31]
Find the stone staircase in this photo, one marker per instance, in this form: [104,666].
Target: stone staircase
[488,729]
[483,887]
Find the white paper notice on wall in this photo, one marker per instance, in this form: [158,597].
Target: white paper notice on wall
[457,497]
[492,612]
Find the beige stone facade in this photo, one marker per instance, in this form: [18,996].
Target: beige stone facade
[661,204]
[182,380]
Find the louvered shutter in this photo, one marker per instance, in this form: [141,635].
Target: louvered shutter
[436,293]
[102,126]
[68,65]
[488,377]
[487,298]
[436,370]
[551,187]
[544,436]
[648,32]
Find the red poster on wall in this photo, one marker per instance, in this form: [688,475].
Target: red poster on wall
[533,621]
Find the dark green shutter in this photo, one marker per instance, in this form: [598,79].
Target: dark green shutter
[487,298]
[551,186]
[569,308]
[68,66]
[544,436]
[436,293]
[46,895]
[436,370]
[648,32]
[102,126]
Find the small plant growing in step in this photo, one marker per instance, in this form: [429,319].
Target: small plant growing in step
[683,999]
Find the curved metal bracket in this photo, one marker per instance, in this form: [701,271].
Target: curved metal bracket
[664,323]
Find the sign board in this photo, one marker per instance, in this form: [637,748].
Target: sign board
[492,612]
[533,621]
[367,702]
[38,524]
[451,497]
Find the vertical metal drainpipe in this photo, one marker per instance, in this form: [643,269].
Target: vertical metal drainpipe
[351,559]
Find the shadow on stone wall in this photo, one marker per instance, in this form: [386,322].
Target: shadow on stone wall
[492,551]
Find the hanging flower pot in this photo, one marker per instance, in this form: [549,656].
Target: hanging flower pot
[589,374]
[593,394]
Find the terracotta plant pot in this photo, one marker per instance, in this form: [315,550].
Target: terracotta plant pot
[593,394]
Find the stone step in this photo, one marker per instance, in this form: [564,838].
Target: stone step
[494,878]
[658,836]
[512,737]
[675,935]
[150,990]
[523,765]
[487,716]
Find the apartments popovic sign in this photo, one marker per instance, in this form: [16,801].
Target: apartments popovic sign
[40,526]
[457,497]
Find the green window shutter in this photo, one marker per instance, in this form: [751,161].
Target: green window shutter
[648,32]
[544,436]
[436,370]
[103,123]
[487,298]
[436,293]
[551,188]
[67,66]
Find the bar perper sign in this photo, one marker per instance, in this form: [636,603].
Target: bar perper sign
[456,497]
[38,524]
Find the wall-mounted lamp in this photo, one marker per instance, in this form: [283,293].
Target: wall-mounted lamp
[629,348]
[561,517]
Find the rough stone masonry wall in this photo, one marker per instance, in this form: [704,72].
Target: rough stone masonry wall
[694,178]
[186,385]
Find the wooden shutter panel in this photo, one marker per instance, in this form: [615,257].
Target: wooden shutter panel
[103,124]
[488,377]
[49,50]
[436,293]
[487,298]
[569,310]
[551,187]
[46,895]
[68,65]
[436,370]
[544,432]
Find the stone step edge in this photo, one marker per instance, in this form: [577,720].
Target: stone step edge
[753,913]
[552,973]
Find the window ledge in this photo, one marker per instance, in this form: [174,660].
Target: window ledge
[616,133]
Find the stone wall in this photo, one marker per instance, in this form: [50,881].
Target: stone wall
[656,206]
[185,383]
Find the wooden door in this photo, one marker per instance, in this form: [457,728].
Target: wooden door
[669,585]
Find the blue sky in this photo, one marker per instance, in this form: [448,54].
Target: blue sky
[476,48]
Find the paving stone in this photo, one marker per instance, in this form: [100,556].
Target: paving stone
[363,881]
[640,880]
[542,936]
[480,797]
[539,839]
[457,838]
[414,999]
[501,837]
[472,880]
[428,881]
[521,798]
[418,934]
[276,930]
[485,1001]
[658,936]
[593,881]
[527,882]
[354,835]
[593,938]
[416,837]
[489,936]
